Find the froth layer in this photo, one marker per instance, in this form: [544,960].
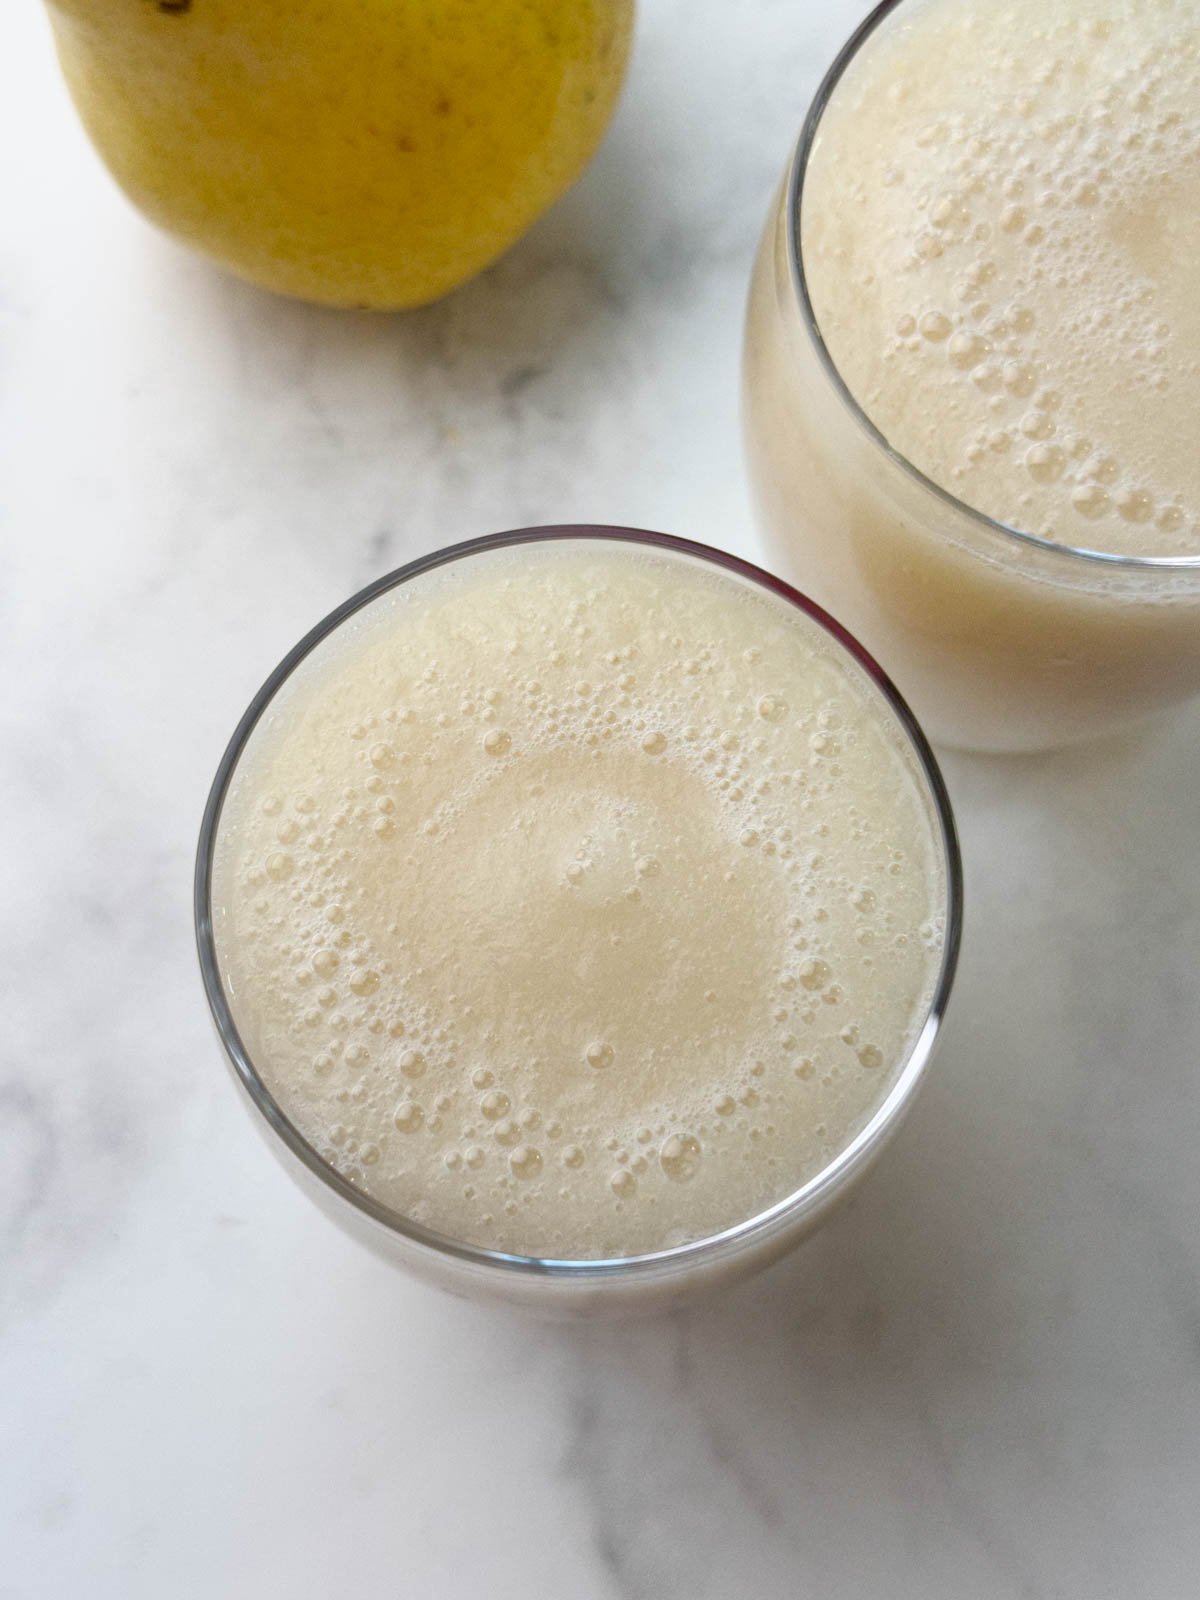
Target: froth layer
[1000,231]
[576,902]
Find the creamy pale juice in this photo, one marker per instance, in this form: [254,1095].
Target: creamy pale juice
[997,224]
[575,900]
[1001,232]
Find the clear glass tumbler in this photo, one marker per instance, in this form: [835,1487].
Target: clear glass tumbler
[581,1287]
[1000,640]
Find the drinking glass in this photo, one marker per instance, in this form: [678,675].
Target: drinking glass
[583,1287]
[999,639]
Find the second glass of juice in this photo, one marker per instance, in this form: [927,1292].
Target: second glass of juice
[972,365]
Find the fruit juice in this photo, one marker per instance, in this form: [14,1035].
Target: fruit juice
[577,900]
[999,218]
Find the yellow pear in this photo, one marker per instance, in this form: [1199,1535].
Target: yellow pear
[354,152]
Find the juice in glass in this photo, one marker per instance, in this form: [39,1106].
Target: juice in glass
[972,370]
[578,909]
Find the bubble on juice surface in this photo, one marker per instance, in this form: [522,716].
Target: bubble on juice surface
[680,1157]
[525,1162]
[1046,463]
[495,1104]
[1091,500]
[412,1064]
[1135,505]
[408,1116]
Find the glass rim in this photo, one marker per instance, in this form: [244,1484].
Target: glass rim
[1104,559]
[808,1197]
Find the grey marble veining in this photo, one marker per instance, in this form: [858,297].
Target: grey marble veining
[983,1379]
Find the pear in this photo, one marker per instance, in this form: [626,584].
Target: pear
[371,153]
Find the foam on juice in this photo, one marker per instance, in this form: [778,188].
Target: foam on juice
[1000,230]
[578,901]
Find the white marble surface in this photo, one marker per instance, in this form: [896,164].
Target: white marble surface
[982,1381]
